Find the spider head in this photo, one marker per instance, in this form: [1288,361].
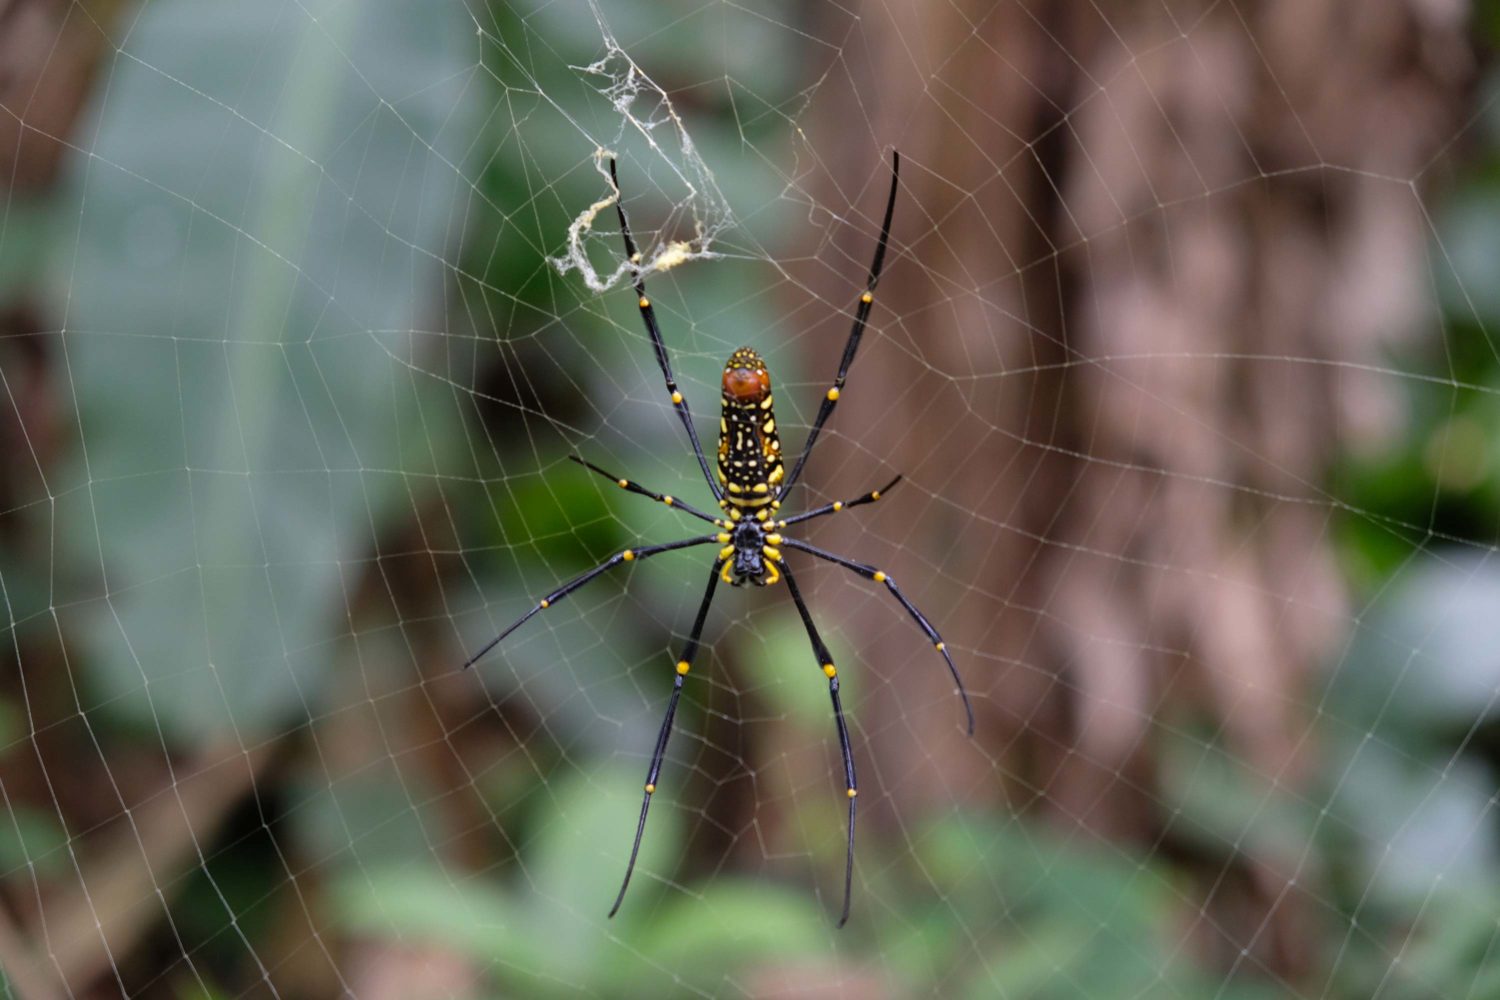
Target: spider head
[746,380]
[748,562]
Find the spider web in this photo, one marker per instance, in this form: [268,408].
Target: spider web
[1183,347]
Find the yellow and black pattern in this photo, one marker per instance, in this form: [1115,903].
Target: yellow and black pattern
[749,485]
[750,469]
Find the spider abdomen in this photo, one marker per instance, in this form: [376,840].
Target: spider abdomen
[750,468]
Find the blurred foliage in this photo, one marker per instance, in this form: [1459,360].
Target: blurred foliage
[1404,821]
[238,258]
[237,255]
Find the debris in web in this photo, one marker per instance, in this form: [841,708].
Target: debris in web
[645,110]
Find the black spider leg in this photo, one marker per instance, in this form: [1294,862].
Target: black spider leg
[683,666]
[630,487]
[861,315]
[679,401]
[825,662]
[879,576]
[838,505]
[627,555]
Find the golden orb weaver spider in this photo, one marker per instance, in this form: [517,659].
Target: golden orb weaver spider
[749,486]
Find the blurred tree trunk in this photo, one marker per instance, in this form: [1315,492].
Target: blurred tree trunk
[1139,245]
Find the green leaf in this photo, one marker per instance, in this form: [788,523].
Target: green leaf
[576,858]
[428,905]
[261,221]
[733,927]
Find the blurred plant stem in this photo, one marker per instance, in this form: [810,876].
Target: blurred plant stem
[113,905]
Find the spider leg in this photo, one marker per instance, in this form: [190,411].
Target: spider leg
[679,401]
[871,573]
[627,555]
[838,505]
[683,666]
[861,316]
[825,662]
[631,487]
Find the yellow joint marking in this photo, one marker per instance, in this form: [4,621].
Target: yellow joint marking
[762,488]
[726,552]
[645,303]
[775,504]
[867,298]
[833,394]
[676,397]
[623,483]
[774,539]
[734,513]
[761,514]
[724,573]
[771,554]
[772,575]
[627,555]
[722,536]
[838,505]
[650,789]
[829,670]
[940,647]
[667,501]
[853,792]
[874,494]
[545,603]
[879,577]
[683,666]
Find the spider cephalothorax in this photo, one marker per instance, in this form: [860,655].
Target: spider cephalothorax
[751,555]
[749,486]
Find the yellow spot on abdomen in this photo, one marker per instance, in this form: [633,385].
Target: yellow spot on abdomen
[833,394]
[645,303]
[627,555]
[879,577]
[867,298]
[829,670]
[683,666]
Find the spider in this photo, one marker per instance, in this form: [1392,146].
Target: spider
[749,486]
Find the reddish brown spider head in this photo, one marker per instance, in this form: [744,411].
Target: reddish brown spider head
[746,380]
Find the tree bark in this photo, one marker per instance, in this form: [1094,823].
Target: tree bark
[1140,247]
